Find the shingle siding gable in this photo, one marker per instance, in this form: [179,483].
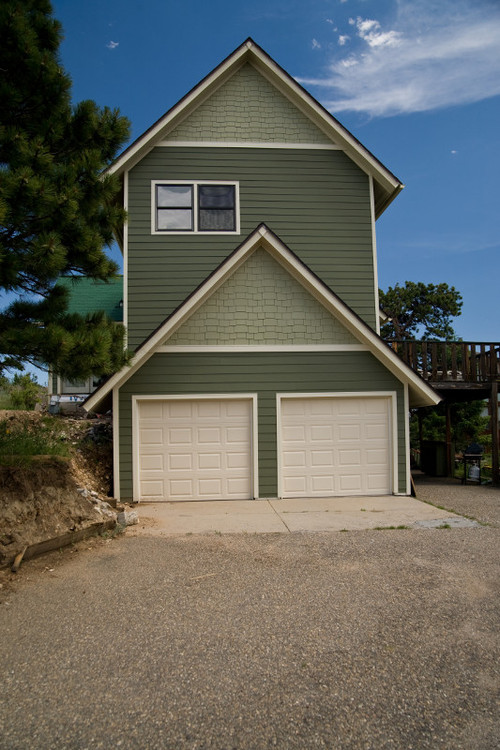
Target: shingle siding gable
[248,108]
[261,304]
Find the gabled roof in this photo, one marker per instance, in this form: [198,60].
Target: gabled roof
[387,186]
[420,393]
[88,295]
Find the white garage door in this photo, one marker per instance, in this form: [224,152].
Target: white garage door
[195,449]
[335,446]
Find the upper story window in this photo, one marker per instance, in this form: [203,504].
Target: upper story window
[200,207]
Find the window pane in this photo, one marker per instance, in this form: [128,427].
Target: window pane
[216,196]
[174,218]
[171,196]
[216,220]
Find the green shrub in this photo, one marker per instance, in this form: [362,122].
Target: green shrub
[22,439]
[24,392]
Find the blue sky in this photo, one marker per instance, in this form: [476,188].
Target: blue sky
[416,81]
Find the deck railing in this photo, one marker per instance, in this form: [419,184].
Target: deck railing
[451,361]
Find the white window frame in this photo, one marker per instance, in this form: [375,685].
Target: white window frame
[194,184]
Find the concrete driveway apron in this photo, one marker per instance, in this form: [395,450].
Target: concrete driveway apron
[285,516]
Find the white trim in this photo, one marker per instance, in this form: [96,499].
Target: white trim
[374,250]
[195,397]
[422,394]
[195,230]
[406,406]
[250,52]
[116,443]
[249,144]
[125,258]
[393,426]
[227,348]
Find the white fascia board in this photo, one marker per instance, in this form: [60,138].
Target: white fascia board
[425,396]
[305,102]
[179,111]
[324,120]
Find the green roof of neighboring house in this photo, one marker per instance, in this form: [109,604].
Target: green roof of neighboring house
[88,295]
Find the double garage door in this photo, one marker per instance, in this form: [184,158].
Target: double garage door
[204,449]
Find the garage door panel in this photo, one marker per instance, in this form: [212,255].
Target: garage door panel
[349,458]
[180,488]
[345,449]
[208,409]
[321,458]
[323,485]
[152,437]
[294,433]
[321,433]
[152,410]
[236,460]
[349,432]
[197,449]
[349,483]
[236,486]
[181,436]
[294,486]
[209,460]
[152,462]
[153,489]
[294,458]
[236,435]
[180,461]
[177,410]
[209,488]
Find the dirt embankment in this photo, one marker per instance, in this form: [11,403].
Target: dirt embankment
[50,496]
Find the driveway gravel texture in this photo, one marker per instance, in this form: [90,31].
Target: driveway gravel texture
[368,639]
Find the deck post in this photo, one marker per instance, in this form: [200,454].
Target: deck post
[494,432]
[450,462]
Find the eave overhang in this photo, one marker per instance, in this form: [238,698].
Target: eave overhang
[387,185]
[420,394]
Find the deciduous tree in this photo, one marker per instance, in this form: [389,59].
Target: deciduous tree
[418,309]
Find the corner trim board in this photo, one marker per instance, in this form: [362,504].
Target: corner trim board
[116,444]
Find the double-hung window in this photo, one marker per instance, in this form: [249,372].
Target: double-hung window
[198,207]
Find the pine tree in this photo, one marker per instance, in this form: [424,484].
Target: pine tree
[57,210]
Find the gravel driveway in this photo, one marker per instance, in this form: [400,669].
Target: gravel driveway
[369,639]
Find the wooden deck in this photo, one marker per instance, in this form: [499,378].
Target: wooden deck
[452,365]
[458,371]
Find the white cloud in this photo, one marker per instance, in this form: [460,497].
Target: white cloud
[316,44]
[343,39]
[435,53]
[370,31]
[112,45]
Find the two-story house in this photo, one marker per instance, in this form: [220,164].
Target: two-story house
[250,299]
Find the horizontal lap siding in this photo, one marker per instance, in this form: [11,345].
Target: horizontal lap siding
[317,202]
[264,374]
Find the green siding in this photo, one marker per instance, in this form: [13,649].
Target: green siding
[88,295]
[248,108]
[316,201]
[264,374]
[261,303]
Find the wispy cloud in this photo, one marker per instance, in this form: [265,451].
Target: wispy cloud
[433,54]
[316,44]
[112,45]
